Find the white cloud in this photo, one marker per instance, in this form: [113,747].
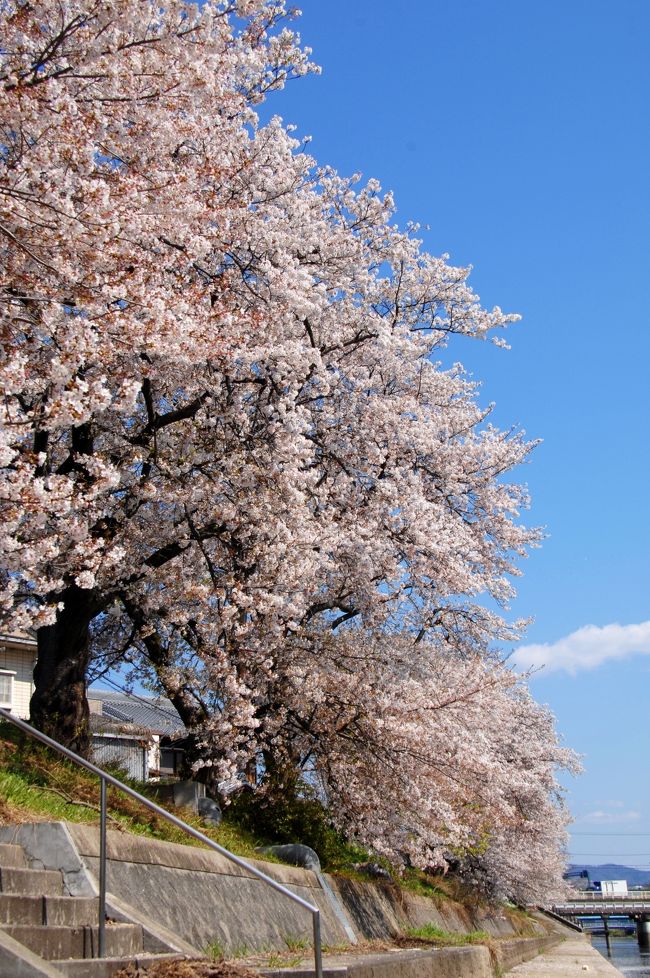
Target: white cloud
[585,648]
[609,818]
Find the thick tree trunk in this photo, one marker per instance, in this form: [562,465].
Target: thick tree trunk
[59,706]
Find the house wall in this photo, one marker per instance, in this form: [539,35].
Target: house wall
[19,662]
[128,753]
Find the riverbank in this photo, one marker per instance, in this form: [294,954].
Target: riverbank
[573,958]
[202,898]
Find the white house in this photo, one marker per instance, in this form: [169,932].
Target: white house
[17,660]
[137,732]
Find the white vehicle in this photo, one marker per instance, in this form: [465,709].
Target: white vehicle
[613,887]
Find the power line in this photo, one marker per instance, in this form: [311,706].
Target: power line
[621,835]
[168,712]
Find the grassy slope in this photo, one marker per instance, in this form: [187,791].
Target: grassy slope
[36,784]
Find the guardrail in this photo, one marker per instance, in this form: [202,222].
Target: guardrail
[106,779]
[584,908]
[560,919]
[596,896]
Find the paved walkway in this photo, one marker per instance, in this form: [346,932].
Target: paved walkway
[573,958]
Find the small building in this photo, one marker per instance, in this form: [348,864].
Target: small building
[612,888]
[135,732]
[17,661]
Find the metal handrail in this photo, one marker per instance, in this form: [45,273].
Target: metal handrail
[106,779]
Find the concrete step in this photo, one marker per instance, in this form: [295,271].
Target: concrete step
[55,910]
[106,967]
[18,909]
[31,882]
[12,857]
[72,911]
[54,943]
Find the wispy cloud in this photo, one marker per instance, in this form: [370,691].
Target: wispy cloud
[600,817]
[586,648]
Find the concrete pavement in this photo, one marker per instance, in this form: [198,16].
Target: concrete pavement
[573,958]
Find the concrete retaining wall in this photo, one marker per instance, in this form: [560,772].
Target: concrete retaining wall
[202,897]
[477,961]
[448,962]
[508,954]
[379,910]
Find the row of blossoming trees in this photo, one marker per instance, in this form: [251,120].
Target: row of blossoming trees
[231,454]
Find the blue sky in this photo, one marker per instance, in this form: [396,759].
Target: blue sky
[518,133]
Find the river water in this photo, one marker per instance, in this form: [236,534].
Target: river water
[625,955]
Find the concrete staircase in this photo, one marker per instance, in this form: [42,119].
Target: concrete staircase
[36,916]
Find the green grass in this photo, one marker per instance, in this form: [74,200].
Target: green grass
[442,889]
[240,951]
[278,961]
[296,943]
[436,935]
[19,793]
[335,948]
[214,950]
[36,783]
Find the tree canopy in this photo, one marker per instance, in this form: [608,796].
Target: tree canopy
[230,444]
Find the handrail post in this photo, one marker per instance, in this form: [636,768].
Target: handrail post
[318,955]
[101,942]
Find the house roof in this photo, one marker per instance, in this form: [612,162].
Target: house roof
[154,713]
[19,637]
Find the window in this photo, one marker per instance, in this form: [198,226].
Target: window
[6,690]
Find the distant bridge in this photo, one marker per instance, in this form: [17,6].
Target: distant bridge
[607,925]
[590,904]
[635,906]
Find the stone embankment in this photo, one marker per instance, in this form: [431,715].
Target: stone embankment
[184,899]
[203,899]
[573,957]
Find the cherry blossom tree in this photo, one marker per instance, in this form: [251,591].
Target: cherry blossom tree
[230,442]
[431,756]
[129,156]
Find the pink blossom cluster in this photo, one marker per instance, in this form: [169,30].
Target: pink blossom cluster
[228,439]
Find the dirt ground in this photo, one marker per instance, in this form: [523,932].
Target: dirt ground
[189,969]
[200,968]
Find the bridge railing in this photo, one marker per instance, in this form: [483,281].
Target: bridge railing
[603,908]
[597,895]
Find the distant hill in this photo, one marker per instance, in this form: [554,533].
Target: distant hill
[614,871]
